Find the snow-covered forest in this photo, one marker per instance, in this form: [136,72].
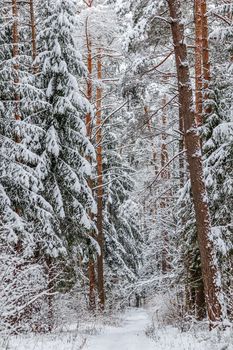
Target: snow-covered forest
[116,174]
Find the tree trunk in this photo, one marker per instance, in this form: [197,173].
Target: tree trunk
[100,258]
[91,275]
[200,304]
[33,33]
[182,171]
[210,273]
[199,70]
[91,262]
[51,285]
[15,54]
[198,61]
[205,55]
[165,175]
[89,84]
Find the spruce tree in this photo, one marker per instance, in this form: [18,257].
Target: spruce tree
[63,167]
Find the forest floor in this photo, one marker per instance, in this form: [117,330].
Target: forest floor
[134,331]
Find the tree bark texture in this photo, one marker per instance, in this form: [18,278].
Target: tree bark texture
[198,62]
[205,56]
[33,32]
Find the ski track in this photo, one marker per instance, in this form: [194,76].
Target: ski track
[129,336]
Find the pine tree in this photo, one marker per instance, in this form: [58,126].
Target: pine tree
[210,271]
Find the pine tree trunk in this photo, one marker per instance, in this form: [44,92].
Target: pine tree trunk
[205,55]
[181,149]
[210,273]
[91,262]
[100,258]
[33,31]
[199,70]
[15,54]
[198,61]
[200,304]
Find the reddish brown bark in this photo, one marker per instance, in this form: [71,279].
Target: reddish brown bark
[209,266]
[100,258]
[91,262]
[33,32]
[198,61]
[202,78]
[15,54]
[205,55]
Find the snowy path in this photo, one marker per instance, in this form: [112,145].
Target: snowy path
[129,336]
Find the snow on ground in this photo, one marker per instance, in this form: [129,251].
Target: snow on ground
[131,334]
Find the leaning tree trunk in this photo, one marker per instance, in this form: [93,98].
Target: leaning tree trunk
[99,141]
[210,273]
